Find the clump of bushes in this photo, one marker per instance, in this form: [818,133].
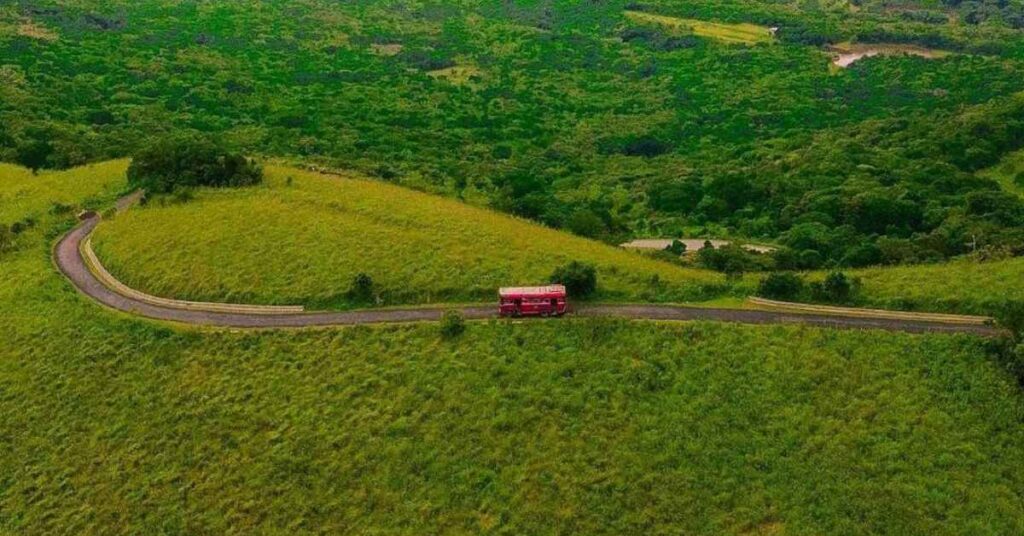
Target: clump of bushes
[836,288]
[785,286]
[362,289]
[1009,352]
[579,278]
[184,162]
[453,324]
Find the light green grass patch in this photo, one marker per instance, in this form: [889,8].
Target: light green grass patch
[303,237]
[744,33]
[1009,173]
[23,194]
[459,75]
[960,286]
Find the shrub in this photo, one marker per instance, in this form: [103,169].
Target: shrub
[781,286]
[836,288]
[452,324]
[580,279]
[1010,315]
[676,248]
[362,288]
[60,209]
[186,162]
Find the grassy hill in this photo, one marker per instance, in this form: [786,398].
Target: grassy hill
[24,195]
[303,237]
[114,424]
[961,286]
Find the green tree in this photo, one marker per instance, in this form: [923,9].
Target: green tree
[187,162]
[362,288]
[34,154]
[781,286]
[580,279]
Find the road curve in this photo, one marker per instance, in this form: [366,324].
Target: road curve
[69,260]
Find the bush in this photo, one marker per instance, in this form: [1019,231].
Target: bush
[676,248]
[452,324]
[580,279]
[186,162]
[362,288]
[781,286]
[1010,315]
[836,288]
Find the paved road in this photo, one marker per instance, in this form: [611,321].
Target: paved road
[69,260]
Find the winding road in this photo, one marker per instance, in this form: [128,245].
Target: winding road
[70,261]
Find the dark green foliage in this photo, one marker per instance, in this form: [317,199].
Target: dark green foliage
[836,288]
[362,288]
[579,278]
[60,209]
[785,286]
[648,127]
[452,324]
[1010,315]
[732,259]
[676,248]
[34,154]
[188,162]
[585,223]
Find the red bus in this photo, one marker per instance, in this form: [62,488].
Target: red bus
[533,301]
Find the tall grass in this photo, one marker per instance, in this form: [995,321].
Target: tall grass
[744,33]
[24,195]
[111,424]
[303,237]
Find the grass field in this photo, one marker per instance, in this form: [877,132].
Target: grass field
[750,34]
[958,286]
[111,424]
[303,242]
[25,195]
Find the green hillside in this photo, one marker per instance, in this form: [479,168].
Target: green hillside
[961,286]
[487,143]
[302,238]
[111,423]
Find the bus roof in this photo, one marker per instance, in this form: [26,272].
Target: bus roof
[532,291]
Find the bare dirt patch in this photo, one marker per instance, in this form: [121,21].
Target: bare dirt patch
[389,49]
[846,54]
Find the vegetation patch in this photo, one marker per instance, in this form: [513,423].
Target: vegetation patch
[458,75]
[182,163]
[303,238]
[743,33]
[1009,173]
[518,427]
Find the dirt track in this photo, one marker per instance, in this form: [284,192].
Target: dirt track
[67,256]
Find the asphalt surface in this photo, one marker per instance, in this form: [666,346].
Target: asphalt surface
[68,259]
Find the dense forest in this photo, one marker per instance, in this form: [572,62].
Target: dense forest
[569,113]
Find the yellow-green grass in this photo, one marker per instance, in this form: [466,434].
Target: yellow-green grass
[458,75]
[111,424]
[301,238]
[24,195]
[744,33]
[1007,171]
[961,286]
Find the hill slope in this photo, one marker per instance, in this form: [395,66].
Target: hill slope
[303,237]
[112,424]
